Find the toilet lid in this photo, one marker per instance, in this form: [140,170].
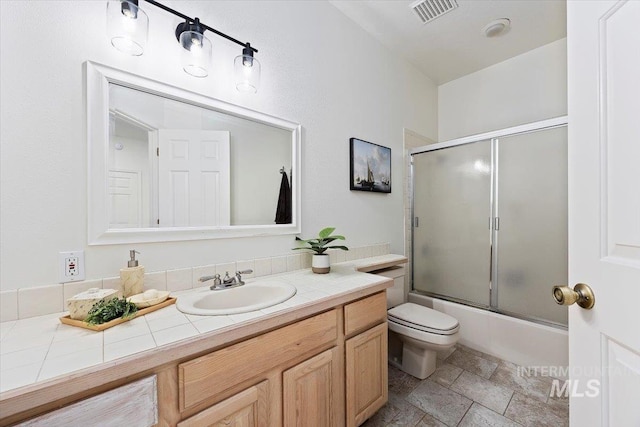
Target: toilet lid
[423,318]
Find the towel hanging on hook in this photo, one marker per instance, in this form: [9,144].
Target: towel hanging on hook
[283,209]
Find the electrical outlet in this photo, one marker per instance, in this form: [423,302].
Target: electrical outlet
[71,266]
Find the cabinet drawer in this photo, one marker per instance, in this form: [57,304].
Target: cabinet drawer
[248,408]
[202,378]
[363,314]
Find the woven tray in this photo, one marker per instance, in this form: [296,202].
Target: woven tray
[67,320]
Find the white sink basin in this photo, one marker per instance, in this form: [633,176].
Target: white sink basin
[249,297]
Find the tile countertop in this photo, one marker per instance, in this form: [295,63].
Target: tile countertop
[41,348]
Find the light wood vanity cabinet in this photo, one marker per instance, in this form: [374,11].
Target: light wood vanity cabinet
[295,375]
[311,391]
[248,408]
[366,369]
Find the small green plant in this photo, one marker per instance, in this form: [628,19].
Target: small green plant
[104,311]
[319,244]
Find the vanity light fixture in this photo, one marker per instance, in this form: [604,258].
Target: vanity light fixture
[247,71]
[128,24]
[196,48]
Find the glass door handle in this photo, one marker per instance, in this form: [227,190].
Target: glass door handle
[581,293]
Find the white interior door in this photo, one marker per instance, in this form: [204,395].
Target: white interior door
[194,178]
[604,210]
[125,203]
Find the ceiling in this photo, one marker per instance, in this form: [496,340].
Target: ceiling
[452,45]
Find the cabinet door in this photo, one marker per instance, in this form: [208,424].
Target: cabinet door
[248,408]
[366,371]
[312,390]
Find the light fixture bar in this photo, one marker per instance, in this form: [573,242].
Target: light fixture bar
[206,27]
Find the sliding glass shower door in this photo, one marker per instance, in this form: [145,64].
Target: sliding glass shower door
[490,223]
[452,208]
[531,244]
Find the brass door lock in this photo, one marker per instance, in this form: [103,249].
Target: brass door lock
[581,293]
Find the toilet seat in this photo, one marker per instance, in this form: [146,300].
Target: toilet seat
[423,319]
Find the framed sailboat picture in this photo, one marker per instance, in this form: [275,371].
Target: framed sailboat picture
[370,166]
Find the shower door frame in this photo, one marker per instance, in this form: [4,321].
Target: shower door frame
[492,136]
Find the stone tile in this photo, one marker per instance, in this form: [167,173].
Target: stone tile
[445,405]
[401,383]
[479,416]
[472,363]
[382,417]
[429,421]
[530,412]
[445,374]
[560,406]
[407,415]
[483,391]
[443,354]
[506,374]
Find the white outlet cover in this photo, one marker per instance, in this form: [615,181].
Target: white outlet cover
[71,266]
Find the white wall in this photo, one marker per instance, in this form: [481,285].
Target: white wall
[318,69]
[523,89]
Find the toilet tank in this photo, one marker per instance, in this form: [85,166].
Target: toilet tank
[395,294]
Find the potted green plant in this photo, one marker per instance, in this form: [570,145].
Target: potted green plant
[320,261]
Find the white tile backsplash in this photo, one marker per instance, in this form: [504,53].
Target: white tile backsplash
[262,267]
[31,302]
[198,272]
[246,265]
[111,283]
[156,280]
[278,264]
[294,262]
[8,305]
[179,280]
[40,300]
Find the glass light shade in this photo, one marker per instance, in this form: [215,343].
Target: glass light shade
[247,73]
[127,27]
[196,53]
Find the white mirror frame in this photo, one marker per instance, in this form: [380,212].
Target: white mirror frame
[98,78]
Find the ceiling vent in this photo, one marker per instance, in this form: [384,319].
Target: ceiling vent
[428,10]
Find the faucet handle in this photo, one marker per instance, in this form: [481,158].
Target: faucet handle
[217,280]
[226,277]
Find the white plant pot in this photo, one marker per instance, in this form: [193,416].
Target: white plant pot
[320,263]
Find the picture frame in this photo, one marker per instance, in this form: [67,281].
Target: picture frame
[369,166]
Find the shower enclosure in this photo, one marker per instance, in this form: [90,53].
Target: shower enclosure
[490,220]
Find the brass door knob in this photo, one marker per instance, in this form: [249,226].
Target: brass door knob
[581,293]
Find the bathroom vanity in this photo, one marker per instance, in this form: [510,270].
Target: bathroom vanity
[321,363]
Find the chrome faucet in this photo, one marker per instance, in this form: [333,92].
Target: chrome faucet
[227,281]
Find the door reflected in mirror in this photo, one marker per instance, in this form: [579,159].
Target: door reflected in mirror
[173,164]
[167,164]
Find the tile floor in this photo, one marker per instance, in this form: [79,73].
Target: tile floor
[468,389]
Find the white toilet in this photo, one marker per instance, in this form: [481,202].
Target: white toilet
[422,331]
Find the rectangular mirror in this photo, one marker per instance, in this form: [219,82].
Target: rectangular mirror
[167,164]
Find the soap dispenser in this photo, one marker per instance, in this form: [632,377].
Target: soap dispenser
[132,277]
